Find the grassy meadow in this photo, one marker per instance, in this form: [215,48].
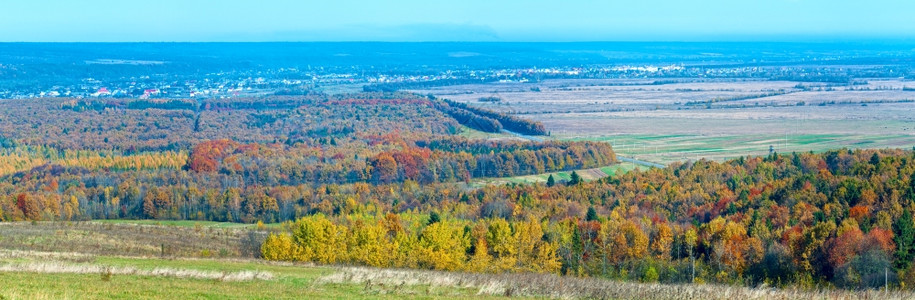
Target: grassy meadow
[63,275]
[63,278]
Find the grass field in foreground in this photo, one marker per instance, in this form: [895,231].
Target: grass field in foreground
[49,275]
[287,282]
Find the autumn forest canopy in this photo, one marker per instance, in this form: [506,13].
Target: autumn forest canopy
[386,179]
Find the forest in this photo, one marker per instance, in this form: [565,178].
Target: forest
[382,179]
[224,160]
[841,218]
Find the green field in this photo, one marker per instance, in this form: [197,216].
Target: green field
[586,174]
[670,148]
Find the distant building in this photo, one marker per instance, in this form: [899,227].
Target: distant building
[101,92]
[149,92]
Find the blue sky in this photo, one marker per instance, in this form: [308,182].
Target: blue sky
[460,20]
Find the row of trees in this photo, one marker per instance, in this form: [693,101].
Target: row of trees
[721,251]
[22,158]
[461,159]
[512,123]
[423,161]
[470,119]
[493,245]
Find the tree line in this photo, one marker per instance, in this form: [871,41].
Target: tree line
[424,161]
[511,123]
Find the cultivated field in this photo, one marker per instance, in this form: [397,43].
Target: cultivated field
[679,119]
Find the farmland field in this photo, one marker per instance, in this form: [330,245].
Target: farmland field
[688,119]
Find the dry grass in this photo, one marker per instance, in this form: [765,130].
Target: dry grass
[81,263]
[40,275]
[130,239]
[108,271]
[551,286]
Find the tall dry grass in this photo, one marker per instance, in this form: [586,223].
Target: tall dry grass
[552,286]
[108,271]
[131,239]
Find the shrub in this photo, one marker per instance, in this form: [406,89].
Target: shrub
[651,275]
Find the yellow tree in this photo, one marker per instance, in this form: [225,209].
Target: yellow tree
[611,241]
[732,247]
[500,238]
[546,258]
[661,241]
[690,237]
[368,245]
[443,246]
[406,246]
[636,240]
[528,235]
[481,261]
[321,240]
[281,247]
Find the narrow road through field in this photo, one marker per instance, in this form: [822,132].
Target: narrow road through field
[526,137]
[640,162]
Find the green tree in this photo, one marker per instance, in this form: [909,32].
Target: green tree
[576,180]
[904,236]
[591,215]
[434,218]
[912,186]
[550,181]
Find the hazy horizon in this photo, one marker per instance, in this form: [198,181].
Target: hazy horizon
[467,21]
